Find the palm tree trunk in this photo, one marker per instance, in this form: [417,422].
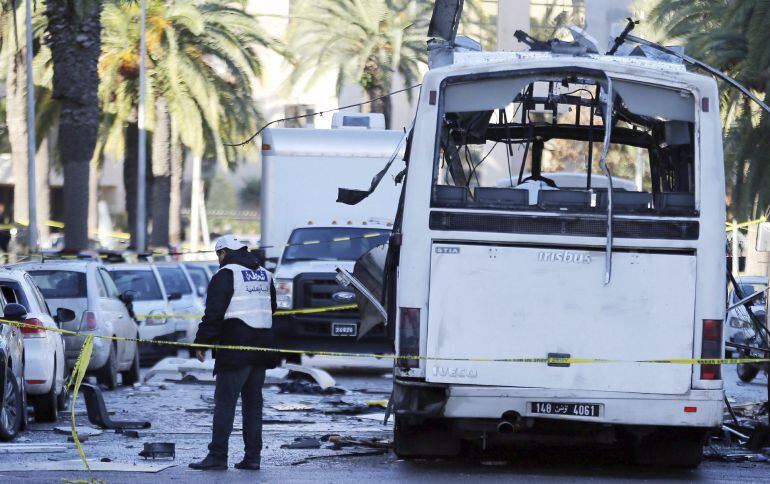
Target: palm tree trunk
[16,106]
[74,36]
[161,173]
[175,196]
[16,112]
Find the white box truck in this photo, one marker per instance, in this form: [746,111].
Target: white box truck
[307,233]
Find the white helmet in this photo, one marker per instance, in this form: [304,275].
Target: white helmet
[229,242]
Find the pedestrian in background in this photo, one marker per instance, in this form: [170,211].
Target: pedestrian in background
[239,311]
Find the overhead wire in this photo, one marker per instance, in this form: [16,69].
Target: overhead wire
[320,113]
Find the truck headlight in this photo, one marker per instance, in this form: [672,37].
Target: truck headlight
[284,292]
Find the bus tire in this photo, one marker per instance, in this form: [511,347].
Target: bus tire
[681,448]
[425,440]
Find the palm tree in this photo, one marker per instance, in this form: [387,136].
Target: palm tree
[74,37]
[733,37]
[13,55]
[364,42]
[201,68]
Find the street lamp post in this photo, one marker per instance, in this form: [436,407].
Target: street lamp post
[141,187]
[31,137]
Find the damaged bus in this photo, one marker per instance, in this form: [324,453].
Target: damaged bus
[566,208]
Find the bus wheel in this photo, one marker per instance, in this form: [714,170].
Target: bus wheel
[427,439]
[671,448]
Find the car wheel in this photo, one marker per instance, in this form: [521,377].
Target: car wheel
[11,411]
[131,375]
[746,371]
[62,400]
[46,406]
[108,374]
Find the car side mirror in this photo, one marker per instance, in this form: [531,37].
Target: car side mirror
[175,296]
[64,315]
[15,312]
[128,297]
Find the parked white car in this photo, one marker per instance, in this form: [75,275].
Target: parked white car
[86,288]
[151,307]
[45,368]
[183,299]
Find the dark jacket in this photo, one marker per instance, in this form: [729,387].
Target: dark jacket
[215,329]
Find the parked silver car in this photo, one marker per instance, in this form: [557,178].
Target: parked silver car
[86,288]
[738,327]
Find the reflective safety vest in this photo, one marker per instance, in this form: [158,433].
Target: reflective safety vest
[251,296]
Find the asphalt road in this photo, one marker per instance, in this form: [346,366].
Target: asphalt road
[180,413]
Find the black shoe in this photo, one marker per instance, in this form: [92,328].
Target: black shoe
[248,465]
[209,464]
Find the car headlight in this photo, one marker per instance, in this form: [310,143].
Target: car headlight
[284,292]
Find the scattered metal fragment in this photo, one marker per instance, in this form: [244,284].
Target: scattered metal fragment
[97,411]
[82,431]
[303,443]
[157,450]
[308,388]
[334,456]
[32,448]
[321,377]
[291,407]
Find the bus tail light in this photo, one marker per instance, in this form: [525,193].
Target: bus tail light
[711,347]
[38,331]
[409,337]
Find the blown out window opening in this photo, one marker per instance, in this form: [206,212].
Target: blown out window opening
[534,143]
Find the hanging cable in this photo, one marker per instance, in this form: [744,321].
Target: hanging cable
[319,113]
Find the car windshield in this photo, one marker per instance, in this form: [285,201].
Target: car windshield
[749,289]
[143,283]
[198,275]
[333,243]
[174,280]
[55,284]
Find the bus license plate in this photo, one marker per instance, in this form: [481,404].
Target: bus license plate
[572,409]
[344,329]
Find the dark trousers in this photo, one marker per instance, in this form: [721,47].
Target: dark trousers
[246,382]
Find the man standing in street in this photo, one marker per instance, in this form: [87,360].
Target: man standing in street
[239,311]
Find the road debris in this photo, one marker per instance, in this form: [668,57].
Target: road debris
[291,407]
[97,411]
[308,388]
[303,443]
[339,442]
[335,456]
[321,377]
[32,448]
[157,450]
[81,431]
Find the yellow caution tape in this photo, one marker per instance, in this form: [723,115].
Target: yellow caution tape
[81,365]
[286,312]
[78,372]
[743,225]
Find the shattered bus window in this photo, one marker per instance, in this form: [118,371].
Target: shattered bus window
[534,143]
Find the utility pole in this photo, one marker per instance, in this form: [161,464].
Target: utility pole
[141,170]
[31,137]
[195,204]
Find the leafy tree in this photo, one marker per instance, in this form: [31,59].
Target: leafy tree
[731,35]
[202,67]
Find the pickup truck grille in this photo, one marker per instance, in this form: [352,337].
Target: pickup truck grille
[315,290]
